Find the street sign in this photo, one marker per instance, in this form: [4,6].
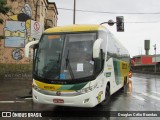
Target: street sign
[36,29]
[36,26]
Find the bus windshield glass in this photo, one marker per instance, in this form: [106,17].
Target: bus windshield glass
[65,56]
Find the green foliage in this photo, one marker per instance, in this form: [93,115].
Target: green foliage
[2,37]
[4,9]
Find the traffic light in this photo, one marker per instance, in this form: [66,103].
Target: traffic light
[120,23]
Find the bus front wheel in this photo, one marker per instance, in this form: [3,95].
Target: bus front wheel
[107,97]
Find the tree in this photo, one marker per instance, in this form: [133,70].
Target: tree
[3,9]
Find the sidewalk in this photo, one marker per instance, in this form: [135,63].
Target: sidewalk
[10,89]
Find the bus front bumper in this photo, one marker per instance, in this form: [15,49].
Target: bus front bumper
[89,99]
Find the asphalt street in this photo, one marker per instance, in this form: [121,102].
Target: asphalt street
[143,94]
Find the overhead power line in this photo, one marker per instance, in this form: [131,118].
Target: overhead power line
[107,12]
[144,22]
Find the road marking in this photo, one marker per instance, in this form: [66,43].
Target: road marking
[12,101]
[139,98]
[156,92]
[152,96]
[28,98]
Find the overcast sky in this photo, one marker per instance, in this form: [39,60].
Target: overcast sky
[135,32]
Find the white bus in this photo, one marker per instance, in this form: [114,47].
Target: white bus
[78,65]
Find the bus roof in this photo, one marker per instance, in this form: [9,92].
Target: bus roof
[74,28]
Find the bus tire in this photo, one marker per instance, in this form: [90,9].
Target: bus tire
[125,85]
[107,97]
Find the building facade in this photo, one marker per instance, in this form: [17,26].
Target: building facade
[141,60]
[25,22]
[146,63]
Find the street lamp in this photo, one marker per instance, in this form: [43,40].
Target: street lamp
[74,12]
[155,57]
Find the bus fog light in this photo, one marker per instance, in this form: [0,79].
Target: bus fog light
[35,96]
[86,100]
[36,88]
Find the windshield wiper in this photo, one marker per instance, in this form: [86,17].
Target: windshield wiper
[58,64]
[36,61]
[69,66]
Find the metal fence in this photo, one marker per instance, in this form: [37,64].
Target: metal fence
[152,69]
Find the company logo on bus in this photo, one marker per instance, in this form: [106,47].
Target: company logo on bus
[58,93]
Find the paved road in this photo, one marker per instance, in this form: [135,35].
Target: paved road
[143,95]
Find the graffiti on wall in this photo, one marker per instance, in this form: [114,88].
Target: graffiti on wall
[24,15]
[15,34]
[17,54]
[17,29]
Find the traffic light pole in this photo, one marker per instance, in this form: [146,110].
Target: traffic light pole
[155,58]
[119,22]
[74,12]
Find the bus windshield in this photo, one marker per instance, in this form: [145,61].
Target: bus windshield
[65,56]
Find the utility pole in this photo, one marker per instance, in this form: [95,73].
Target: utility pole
[36,10]
[155,57]
[74,12]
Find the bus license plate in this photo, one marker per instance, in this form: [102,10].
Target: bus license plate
[58,100]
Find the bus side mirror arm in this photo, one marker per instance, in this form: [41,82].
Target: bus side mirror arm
[28,45]
[96,48]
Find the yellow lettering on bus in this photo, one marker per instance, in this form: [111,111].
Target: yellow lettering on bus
[53,37]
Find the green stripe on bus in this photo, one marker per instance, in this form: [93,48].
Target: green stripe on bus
[73,86]
[117,71]
[65,87]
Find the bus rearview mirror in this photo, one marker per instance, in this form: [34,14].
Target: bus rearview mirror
[28,45]
[96,48]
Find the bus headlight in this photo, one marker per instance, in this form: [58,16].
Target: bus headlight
[36,87]
[87,89]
